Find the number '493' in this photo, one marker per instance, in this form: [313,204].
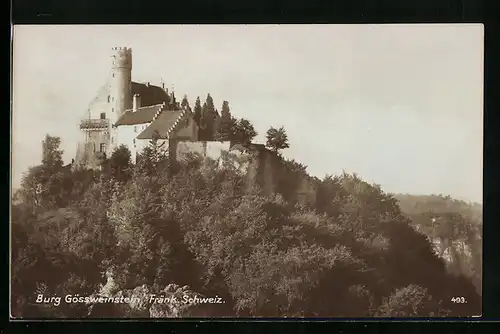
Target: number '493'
[458,300]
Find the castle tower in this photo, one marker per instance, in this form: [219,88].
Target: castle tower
[121,82]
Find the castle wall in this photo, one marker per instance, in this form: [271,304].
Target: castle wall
[126,135]
[100,103]
[268,172]
[211,149]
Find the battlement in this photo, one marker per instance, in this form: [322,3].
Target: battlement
[122,48]
[122,57]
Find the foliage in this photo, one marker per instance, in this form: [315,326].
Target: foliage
[197,111]
[227,124]
[153,160]
[208,124]
[455,228]
[346,251]
[119,165]
[277,139]
[185,103]
[243,131]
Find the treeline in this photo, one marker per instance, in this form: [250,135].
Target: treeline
[349,253]
[223,126]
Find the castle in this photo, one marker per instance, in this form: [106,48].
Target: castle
[129,113]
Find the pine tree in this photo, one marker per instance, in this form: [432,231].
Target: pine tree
[197,112]
[185,103]
[227,123]
[153,159]
[225,111]
[208,119]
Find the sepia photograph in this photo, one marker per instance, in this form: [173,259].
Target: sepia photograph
[246,171]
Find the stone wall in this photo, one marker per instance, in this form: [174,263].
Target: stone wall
[207,149]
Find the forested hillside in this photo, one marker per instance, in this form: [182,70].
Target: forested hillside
[454,227]
[198,229]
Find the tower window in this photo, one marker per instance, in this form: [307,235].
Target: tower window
[103,115]
[102,147]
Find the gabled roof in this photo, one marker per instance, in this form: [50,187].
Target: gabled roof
[141,116]
[150,95]
[164,124]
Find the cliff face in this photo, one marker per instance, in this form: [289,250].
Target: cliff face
[462,255]
[263,168]
[272,174]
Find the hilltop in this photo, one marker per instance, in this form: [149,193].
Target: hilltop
[251,228]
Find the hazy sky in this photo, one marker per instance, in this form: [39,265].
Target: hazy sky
[401,105]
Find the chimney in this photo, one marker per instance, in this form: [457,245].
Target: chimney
[136,102]
[147,84]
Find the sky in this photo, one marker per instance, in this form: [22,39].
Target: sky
[400,105]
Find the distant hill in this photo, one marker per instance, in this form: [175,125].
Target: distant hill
[453,226]
[439,204]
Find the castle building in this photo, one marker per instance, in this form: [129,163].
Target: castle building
[130,113]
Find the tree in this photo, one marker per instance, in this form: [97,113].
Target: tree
[185,103]
[120,164]
[277,139]
[31,188]
[197,112]
[208,117]
[52,154]
[243,132]
[153,160]
[227,124]
[44,185]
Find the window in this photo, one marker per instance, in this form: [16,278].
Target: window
[109,98]
[186,122]
[94,147]
[102,147]
[135,130]
[112,109]
[103,115]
